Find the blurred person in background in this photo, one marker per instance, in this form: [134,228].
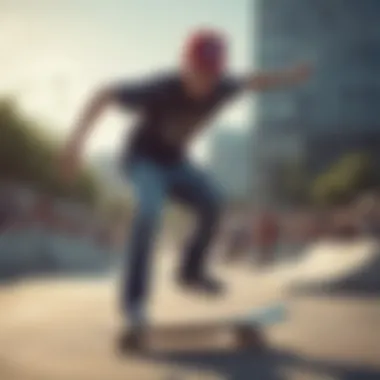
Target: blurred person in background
[368,216]
[237,237]
[8,209]
[173,107]
[43,211]
[267,237]
[44,215]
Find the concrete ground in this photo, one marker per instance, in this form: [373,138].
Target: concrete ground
[62,329]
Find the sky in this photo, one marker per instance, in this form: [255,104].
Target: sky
[55,53]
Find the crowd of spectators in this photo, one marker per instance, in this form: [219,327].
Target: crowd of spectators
[263,231]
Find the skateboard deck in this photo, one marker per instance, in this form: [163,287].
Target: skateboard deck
[242,331]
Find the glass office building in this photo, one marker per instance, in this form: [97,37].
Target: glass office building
[341,102]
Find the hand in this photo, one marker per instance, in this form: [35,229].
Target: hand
[301,73]
[69,161]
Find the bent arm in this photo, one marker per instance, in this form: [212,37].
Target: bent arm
[131,96]
[90,115]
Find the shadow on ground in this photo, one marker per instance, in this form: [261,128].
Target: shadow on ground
[348,292]
[268,365]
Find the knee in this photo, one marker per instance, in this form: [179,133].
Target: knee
[146,214]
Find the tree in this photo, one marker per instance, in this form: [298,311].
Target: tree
[27,155]
[347,177]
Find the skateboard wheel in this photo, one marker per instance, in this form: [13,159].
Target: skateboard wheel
[249,337]
[130,341]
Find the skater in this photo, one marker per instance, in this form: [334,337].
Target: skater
[172,107]
[237,240]
[267,238]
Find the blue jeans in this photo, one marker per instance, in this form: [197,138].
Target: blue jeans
[153,184]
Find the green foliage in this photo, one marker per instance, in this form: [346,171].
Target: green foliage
[350,175]
[28,156]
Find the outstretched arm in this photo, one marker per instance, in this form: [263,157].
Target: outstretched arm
[87,120]
[272,80]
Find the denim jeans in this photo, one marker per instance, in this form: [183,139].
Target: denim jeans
[153,184]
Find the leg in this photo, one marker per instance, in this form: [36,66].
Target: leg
[192,187]
[149,192]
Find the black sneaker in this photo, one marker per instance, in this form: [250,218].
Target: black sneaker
[130,341]
[202,284]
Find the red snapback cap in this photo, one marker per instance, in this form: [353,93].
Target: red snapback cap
[206,51]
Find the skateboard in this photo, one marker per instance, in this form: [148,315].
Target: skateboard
[243,332]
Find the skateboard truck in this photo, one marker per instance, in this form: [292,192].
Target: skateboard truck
[131,340]
[248,336]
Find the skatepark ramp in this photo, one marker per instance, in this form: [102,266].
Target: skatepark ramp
[338,267]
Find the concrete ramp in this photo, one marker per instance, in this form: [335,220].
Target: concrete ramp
[66,329]
[338,267]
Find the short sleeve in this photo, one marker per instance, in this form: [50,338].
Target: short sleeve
[139,94]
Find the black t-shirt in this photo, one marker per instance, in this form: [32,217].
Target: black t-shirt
[168,117]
